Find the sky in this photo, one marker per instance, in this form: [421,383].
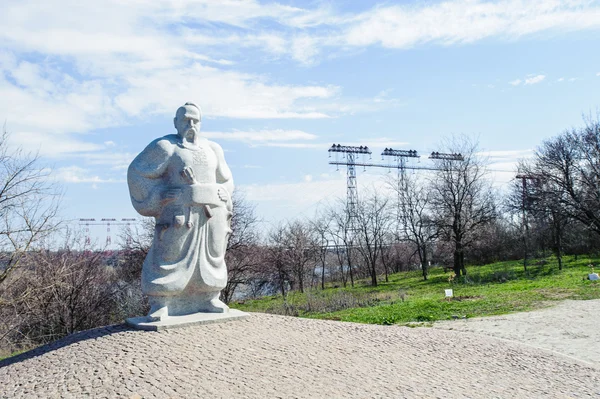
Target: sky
[89,84]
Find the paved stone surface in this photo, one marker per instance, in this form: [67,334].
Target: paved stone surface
[141,323]
[268,356]
[569,327]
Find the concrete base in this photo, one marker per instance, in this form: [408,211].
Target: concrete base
[141,323]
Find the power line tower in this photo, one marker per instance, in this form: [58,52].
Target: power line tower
[86,230]
[108,222]
[400,158]
[350,153]
[400,162]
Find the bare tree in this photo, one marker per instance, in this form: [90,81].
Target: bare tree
[57,293]
[373,221]
[242,256]
[537,202]
[415,220]
[275,267]
[322,228]
[299,251]
[342,234]
[135,241]
[28,205]
[568,167]
[462,198]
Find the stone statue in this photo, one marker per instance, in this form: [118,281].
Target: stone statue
[182,181]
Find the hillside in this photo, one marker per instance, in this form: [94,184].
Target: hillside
[494,289]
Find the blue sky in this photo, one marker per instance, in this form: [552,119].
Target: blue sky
[90,84]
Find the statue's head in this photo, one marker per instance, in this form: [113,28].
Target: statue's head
[187,120]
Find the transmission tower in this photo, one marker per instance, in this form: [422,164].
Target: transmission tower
[86,229]
[108,222]
[350,153]
[399,158]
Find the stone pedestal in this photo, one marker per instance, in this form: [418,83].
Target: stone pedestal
[142,323]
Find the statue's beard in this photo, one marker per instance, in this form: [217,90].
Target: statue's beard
[191,134]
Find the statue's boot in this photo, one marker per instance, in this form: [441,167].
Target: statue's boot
[214,304]
[158,309]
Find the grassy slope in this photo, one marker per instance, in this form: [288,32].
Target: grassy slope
[493,289]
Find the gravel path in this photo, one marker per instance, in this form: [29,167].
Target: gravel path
[571,328]
[266,356]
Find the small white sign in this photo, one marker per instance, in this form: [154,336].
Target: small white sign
[449,293]
[593,276]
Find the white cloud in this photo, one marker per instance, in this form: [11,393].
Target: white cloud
[598,74]
[534,79]
[467,21]
[530,80]
[379,142]
[110,143]
[560,79]
[102,63]
[507,153]
[76,174]
[48,144]
[115,160]
[314,146]
[301,199]
[225,94]
[308,178]
[304,49]
[276,135]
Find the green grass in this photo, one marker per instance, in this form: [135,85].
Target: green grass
[493,289]
[6,355]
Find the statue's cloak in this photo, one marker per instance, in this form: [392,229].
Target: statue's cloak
[191,232]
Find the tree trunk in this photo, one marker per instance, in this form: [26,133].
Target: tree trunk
[558,251]
[387,280]
[300,282]
[558,240]
[425,267]
[350,268]
[373,275]
[456,264]
[282,283]
[459,260]
[323,276]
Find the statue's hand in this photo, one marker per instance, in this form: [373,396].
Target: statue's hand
[169,196]
[188,175]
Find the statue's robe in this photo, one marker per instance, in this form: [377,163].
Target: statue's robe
[188,249]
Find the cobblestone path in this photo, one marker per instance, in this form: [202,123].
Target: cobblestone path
[268,356]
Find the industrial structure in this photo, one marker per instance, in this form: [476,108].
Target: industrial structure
[85,223]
